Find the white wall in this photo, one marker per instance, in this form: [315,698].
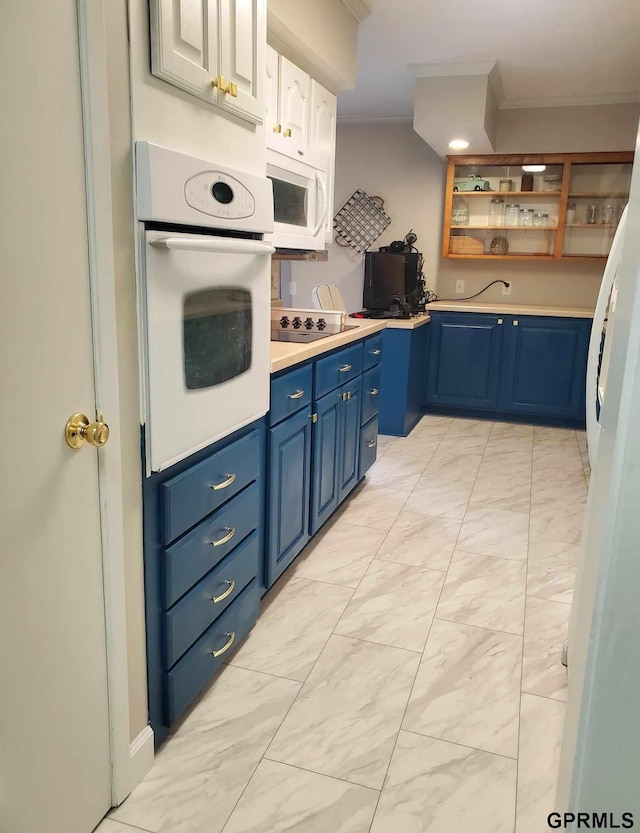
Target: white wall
[393,162]
[320,36]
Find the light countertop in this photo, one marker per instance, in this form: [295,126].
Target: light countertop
[286,354]
[511,309]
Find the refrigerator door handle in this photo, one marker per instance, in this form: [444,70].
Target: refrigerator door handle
[608,278]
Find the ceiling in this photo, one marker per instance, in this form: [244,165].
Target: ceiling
[550,52]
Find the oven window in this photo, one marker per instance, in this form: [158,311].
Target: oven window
[289,203]
[217,334]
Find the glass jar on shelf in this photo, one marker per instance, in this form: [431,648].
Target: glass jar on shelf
[540,219]
[571,214]
[592,214]
[526,217]
[607,215]
[496,212]
[511,214]
[506,185]
[551,182]
[460,212]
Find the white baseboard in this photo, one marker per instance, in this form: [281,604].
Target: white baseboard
[140,757]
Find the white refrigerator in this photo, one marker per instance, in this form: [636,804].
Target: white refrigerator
[600,756]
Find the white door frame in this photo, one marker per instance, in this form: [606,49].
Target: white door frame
[94,91]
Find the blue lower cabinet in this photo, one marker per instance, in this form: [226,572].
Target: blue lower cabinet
[197,667]
[324,458]
[544,367]
[210,598]
[349,437]
[368,446]
[289,491]
[464,360]
[402,380]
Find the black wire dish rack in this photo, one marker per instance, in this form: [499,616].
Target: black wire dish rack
[360,221]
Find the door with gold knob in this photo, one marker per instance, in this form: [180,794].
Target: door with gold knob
[55,759]
[295,94]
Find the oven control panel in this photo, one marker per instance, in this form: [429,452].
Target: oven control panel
[219,195]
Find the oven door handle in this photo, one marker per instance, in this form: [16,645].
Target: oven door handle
[320,178]
[224,246]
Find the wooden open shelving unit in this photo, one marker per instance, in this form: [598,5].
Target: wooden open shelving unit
[575,169]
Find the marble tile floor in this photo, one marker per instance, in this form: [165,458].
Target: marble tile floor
[405,674]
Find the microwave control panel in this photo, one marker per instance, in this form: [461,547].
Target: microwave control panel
[219,195]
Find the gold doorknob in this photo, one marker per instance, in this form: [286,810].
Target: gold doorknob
[79,431]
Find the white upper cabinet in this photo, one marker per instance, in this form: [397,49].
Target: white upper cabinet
[322,141]
[271,115]
[214,49]
[295,93]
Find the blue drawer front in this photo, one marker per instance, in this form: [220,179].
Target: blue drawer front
[196,668]
[290,393]
[370,394]
[337,369]
[186,561]
[368,446]
[372,351]
[191,496]
[210,598]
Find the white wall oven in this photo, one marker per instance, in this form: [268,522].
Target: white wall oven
[204,299]
[300,203]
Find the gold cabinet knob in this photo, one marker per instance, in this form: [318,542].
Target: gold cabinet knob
[287,132]
[221,83]
[79,431]
[233,89]
[277,128]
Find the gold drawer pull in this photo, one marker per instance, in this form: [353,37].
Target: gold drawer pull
[376,352]
[221,83]
[499,320]
[374,391]
[345,368]
[227,592]
[226,646]
[225,483]
[231,531]
[297,395]
[515,323]
[287,133]
[371,443]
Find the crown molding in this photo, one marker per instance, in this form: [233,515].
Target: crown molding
[570,101]
[375,119]
[358,8]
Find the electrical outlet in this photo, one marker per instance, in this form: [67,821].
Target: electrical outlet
[293,288]
[459,287]
[506,290]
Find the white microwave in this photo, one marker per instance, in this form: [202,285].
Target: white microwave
[300,203]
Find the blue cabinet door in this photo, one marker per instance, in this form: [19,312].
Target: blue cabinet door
[324,485]
[464,360]
[289,490]
[545,366]
[349,437]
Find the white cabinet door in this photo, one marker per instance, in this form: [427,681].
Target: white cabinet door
[243,37]
[272,125]
[184,44]
[322,143]
[295,90]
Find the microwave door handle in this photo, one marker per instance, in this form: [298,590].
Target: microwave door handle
[323,192]
[226,246]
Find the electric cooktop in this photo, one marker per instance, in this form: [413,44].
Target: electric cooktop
[305,337]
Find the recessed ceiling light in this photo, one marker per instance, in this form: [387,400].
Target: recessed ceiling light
[534,169]
[458,144]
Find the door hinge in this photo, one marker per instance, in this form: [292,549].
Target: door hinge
[314,417]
